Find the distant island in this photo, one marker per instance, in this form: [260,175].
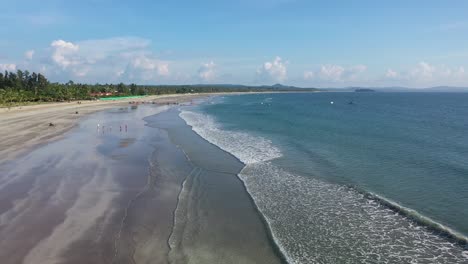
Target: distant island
[364,90]
[397,89]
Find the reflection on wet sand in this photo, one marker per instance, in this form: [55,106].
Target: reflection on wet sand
[120,197]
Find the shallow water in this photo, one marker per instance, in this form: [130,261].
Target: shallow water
[129,185]
[215,220]
[380,180]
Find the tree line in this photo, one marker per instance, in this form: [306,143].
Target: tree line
[22,86]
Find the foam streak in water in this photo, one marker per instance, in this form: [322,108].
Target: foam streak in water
[317,222]
[247,148]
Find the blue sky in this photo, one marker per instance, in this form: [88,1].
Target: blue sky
[305,43]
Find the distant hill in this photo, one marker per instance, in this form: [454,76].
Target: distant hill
[447,89]
[364,90]
[289,88]
[275,87]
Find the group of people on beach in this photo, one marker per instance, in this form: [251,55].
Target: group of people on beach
[103,128]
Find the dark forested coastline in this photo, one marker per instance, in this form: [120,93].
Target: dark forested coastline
[22,86]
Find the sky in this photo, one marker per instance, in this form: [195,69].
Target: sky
[254,42]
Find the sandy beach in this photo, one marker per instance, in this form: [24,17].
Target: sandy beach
[28,126]
[140,187]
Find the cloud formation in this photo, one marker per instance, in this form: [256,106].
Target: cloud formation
[309,75]
[425,74]
[335,73]
[275,70]
[146,68]
[391,74]
[7,67]
[206,72]
[29,54]
[65,53]
[423,71]
[131,59]
[106,60]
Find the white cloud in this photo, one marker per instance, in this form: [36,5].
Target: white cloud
[7,67]
[130,59]
[81,72]
[391,74]
[98,49]
[425,74]
[456,72]
[336,73]
[106,60]
[148,64]
[308,75]
[331,72]
[423,71]
[64,53]
[29,54]
[460,72]
[275,70]
[358,69]
[146,68]
[206,72]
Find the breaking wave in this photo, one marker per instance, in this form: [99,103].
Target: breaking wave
[312,221]
[247,148]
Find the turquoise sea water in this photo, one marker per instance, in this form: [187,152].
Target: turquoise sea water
[382,179]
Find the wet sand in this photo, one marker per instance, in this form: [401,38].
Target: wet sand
[23,128]
[215,220]
[154,193]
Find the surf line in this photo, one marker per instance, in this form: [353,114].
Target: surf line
[418,218]
[173,242]
[277,248]
[124,218]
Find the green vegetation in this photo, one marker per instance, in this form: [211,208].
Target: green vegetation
[111,98]
[23,87]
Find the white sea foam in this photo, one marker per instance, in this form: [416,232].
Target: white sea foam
[317,222]
[247,148]
[313,221]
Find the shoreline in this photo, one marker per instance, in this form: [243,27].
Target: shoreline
[25,128]
[268,229]
[110,196]
[163,188]
[439,231]
[220,162]
[79,199]
[274,242]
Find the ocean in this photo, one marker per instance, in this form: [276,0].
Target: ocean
[350,177]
